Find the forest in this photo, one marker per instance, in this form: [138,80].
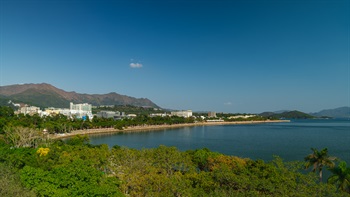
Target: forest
[31,165]
[74,167]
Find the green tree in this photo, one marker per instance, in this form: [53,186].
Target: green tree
[77,178]
[319,159]
[78,140]
[10,183]
[200,158]
[6,111]
[341,177]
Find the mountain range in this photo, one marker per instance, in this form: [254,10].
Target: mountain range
[341,112]
[46,95]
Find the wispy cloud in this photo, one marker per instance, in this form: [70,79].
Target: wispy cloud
[228,103]
[136,65]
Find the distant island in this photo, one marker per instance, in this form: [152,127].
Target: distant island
[287,115]
[341,112]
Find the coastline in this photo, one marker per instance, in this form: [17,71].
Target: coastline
[146,128]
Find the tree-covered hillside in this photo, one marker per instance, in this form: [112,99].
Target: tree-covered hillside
[287,115]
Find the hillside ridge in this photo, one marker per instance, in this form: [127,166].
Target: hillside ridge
[47,95]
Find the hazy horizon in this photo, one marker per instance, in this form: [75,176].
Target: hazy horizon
[224,56]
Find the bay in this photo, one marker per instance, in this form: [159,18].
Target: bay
[290,140]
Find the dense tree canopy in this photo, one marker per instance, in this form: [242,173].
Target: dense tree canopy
[76,168]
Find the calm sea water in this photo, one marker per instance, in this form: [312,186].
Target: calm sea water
[291,141]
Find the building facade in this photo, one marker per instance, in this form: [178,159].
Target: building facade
[110,114]
[30,110]
[185,114]
[80,107]
[211,114]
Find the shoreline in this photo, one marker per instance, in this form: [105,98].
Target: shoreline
[146,128]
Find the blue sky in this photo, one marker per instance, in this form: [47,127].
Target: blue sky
[227,56]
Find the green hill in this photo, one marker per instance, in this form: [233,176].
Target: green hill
[288,115]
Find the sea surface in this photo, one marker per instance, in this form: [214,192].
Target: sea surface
[291,141]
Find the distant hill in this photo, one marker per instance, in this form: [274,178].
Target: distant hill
[46,95]
[281,111]
[341,112]
[287,115]
[268,114]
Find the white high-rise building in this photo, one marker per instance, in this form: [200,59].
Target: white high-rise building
[81,107]
[81,110]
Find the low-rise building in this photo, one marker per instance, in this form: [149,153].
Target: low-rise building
[107,106]
[211,114]
[185,114]
[110,114]
[51,111]
[241,116]
[215,120]
[158,115]
[131,115]
[30,110]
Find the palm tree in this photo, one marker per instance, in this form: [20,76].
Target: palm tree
[319,159]
[341,177]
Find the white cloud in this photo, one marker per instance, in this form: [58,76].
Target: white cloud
[135,65]
[228,103]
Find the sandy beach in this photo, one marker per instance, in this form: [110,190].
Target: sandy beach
[146,128]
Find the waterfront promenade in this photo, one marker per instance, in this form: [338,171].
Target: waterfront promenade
[145,128]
